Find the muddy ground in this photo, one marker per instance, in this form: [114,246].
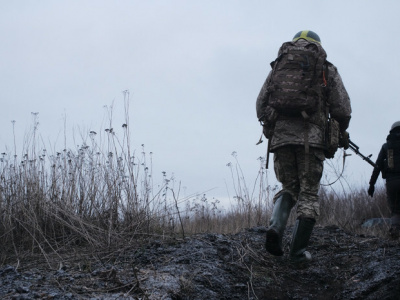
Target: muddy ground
[214,266]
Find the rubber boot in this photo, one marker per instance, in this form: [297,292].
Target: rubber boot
[280,214]
[301,236]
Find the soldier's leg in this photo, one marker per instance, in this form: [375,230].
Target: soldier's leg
[308,205]
[308,202]
[285,170]
[393,198]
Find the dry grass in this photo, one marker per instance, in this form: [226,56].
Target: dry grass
[102,194]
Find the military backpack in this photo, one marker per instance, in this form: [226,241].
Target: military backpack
[297,78]
[392,161]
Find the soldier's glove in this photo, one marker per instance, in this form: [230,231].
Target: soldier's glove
[371,190]
[344,140]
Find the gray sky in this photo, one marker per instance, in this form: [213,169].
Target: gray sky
[193,69]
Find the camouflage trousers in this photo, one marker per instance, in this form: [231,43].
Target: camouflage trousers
[302,184]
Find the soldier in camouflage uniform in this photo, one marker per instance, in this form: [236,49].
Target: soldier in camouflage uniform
[299,170]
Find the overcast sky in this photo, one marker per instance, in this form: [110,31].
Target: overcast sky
[194,70]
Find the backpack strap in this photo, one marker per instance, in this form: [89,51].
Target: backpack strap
[306,142]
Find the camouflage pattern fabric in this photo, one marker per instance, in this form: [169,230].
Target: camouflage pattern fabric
[291,130]
[297,77]
[289,165]
[288,135]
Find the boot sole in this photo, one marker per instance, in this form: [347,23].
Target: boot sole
[272,243]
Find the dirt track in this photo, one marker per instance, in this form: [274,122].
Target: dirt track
[215,266]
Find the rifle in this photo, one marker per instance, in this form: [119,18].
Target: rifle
[355,148]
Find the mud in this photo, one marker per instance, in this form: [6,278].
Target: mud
[213,266]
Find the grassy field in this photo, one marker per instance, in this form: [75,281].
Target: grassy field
[103,194]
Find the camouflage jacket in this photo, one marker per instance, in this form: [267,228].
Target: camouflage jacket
[286,130]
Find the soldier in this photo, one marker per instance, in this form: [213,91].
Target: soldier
[296,134]
[388,162]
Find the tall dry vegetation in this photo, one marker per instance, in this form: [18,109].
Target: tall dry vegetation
[101,194]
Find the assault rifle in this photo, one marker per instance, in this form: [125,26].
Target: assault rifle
[355,148]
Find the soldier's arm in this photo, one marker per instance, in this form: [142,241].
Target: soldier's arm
[380,166]
[339,100]
[262,100]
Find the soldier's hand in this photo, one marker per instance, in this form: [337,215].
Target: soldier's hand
[371,190]
[344,140]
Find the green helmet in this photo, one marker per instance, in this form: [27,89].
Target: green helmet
[307,35]
[395,125]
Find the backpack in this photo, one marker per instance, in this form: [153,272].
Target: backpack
[297,79]
[392,161]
